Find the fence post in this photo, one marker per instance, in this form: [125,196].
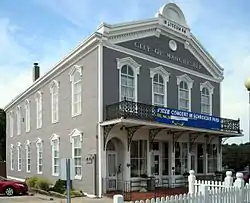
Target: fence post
[118,199]
[228,179]
[239,182]
[203,189]
[191,182]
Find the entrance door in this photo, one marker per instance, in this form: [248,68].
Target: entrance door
[157,166]
[111,170]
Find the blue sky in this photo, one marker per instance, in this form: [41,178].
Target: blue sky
[46,30]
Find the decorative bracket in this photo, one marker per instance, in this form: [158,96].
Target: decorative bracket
[209,139]
[130,133]
[152,135]
[223,140]
[106,131]
[176,135]
[192,138]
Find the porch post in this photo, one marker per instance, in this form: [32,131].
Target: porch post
[219,155]
[172,163]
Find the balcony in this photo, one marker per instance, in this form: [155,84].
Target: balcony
[135,110]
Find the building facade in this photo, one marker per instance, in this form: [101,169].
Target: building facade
[133,101]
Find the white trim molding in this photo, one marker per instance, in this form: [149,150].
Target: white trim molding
[55,145]
[19,156]
[74,70]
[27,115]
[165,75]
[11,157]
[39,143]
[39,109]
[210,89]
[136,71]
[76,133]
[189,81]
[18,120]
[28,155]
[54,94]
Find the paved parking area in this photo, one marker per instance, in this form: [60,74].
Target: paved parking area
[45,199]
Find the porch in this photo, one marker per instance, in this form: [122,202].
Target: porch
[146,149]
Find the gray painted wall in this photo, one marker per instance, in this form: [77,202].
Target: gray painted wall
[86,122]
[111,83]
[158,47]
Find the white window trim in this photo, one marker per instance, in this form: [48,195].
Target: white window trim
[75,68]
[18,120]
[39,98]
[53,91]
[54,137]
[210,88]
[11,157]
[189,82]
[73,134]
[19,153]
[136,69]
[26,155]
[27,115]
[165,75]
[39,142]
[11,126]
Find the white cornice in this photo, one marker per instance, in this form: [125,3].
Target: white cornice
[160,70]
[128,61]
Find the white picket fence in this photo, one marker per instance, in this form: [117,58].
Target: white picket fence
[206,192]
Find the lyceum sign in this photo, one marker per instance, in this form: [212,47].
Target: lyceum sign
[169,56]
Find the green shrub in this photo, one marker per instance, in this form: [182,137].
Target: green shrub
[31,182]
[60,186]
[74,193]
[42,184]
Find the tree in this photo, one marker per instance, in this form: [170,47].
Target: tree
[2,135]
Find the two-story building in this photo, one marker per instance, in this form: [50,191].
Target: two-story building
[133,100]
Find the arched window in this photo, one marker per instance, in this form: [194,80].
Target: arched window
[55,148]
[39,110]
[127,83]
[206,98]
[128,71]
[54,88]
[185,84]
[39,154]
[158,90]
[183,96]
[76,88]
[19,157]
[18,120]
[27,115]
[28,156]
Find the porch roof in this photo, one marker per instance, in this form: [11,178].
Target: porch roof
[127,122]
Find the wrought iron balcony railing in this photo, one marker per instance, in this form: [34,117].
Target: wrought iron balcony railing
[136,110]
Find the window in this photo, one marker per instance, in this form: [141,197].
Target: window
[11,123]
[39,152]
[165,165]
[28,158]
[200,158]
[160,77]
[18,120]
[27,115]
[128,71]
[76,88]
[54,87]
[212,158]
[39,110]
[138,157]
[206,98]
[76,141]
[19,157]
[11,157]
[185,84]
[181,158]
[55,148]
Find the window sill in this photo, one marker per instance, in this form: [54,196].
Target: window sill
[55,122]
[75,115]
[78,177]
[55,174]
[40,173]
[19,169]
[27,171]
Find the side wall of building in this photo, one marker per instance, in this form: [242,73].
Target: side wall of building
[86,123]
